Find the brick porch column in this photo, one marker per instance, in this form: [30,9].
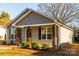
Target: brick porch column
[29,34]
[53,36]
[18,36]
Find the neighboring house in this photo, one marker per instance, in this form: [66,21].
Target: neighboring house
[2,33]
[31,25]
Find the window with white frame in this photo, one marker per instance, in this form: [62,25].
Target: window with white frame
[49,32]
[46,32]
[12,33]
[43,32]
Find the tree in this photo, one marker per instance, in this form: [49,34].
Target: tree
[5,14]
[63,12]
[5,18]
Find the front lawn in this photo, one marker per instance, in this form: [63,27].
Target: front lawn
[9,50]
[15,51]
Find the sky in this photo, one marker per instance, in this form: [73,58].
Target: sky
[15,8]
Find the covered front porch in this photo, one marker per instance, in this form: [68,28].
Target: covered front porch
[33,26]
[44,34]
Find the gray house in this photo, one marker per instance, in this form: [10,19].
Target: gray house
[31,25]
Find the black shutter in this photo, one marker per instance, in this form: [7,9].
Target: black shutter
[39,33]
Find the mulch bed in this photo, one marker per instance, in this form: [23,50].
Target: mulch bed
[73,50]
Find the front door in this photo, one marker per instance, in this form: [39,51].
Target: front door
[29,35]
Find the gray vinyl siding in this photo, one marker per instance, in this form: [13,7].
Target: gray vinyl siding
[35,32]
[34,18]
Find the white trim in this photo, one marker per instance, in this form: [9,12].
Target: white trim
[35,25]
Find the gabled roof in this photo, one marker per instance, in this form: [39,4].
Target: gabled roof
[27,10]
[23,12]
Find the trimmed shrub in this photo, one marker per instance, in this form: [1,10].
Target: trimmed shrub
[25,45]
[45,47]
[35,45]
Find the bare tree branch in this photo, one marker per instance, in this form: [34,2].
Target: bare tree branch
[64,12]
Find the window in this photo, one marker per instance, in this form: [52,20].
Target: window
[49,32]
[12,33]
[46,32]
[43,33]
